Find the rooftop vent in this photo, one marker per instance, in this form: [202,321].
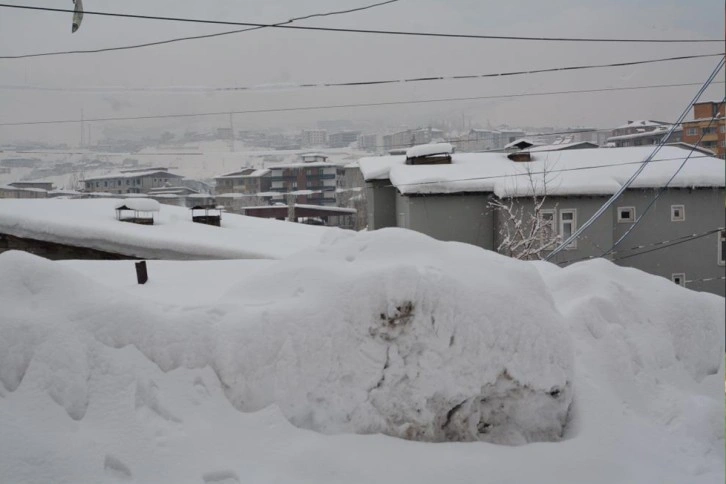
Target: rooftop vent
[520,156]
[432,154]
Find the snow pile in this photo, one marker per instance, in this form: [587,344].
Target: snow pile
[385,332]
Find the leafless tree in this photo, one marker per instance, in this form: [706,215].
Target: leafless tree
[526,229]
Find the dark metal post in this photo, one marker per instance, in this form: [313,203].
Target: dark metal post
[141,274]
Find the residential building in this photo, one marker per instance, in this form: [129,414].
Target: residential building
[468,201]
[411,137]
[369,142]
[9,191]
[644,133]
[708,127]
[133,181]
[343,139]
[248,180]
[314,137]
[310,182]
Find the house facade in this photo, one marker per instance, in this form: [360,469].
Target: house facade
[311,183]
[248,181]
[680,238]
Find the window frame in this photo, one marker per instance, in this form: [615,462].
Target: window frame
[561,223]
[720,242]
[681,276]
[629,220]
[692,132]
[683,213]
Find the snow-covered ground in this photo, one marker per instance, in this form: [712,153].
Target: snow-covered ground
[303,369]
[92,223]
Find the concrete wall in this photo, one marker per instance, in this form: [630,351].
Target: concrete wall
[461,218]
[696,258]
[381,200]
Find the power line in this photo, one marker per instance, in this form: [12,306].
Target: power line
[370,31]
[637,173]
[663,243]
[665,246]
[661,191]
[207,36]
[183,89]
[353,105]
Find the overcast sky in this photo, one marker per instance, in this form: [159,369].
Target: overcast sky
[277,55]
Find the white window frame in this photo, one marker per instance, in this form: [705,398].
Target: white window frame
[628,220]
[692,132]
[681,276]
[683,213]
[561,231]
[552,223]
[720,241]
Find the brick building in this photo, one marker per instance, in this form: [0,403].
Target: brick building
[708,122]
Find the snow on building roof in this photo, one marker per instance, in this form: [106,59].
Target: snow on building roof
[134,174]
[327,208]
[429,149]
[313,164]
[245,174]
[91,223]
[563,146]
[139,204]
[521,143]
[641,123]
[493,172]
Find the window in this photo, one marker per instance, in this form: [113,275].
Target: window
[723,128]
[547,222]
[679,278]
[692,131]
[568,226]
[722,247]
[678,213]
[709,131]
[626,215]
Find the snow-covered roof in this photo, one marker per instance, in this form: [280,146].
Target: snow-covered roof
[327,208]
[641,123]
[430,149]
[91,223]
[245,174]
[139,204]
[313,164]
[521,142]
[567,172]
[135,174]
[563,146]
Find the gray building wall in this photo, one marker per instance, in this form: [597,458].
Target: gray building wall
[696,258]
[381,197]
[461,217]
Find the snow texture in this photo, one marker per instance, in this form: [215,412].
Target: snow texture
[607,169]
[92,223]
[429,149]
[390,332]
[139,204]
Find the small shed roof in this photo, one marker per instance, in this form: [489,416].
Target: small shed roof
[139,204]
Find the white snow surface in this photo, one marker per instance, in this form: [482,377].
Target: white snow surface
[429,149]
[606,170]
[92,223]
[139,204]
[101,384]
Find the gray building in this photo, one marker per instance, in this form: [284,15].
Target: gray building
[132,181]
[472,200]
[343,139]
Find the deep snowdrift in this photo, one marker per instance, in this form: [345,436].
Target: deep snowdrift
[387,332]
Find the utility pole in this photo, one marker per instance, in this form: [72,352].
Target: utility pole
[231,129]
[83,129]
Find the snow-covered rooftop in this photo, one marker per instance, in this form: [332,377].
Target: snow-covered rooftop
[138,204]
[599,171]
[91,223]
[133,174]
[429,149]
[641,123]
[659,131]
[245,174]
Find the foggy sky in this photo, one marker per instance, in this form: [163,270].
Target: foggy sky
[276,55]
